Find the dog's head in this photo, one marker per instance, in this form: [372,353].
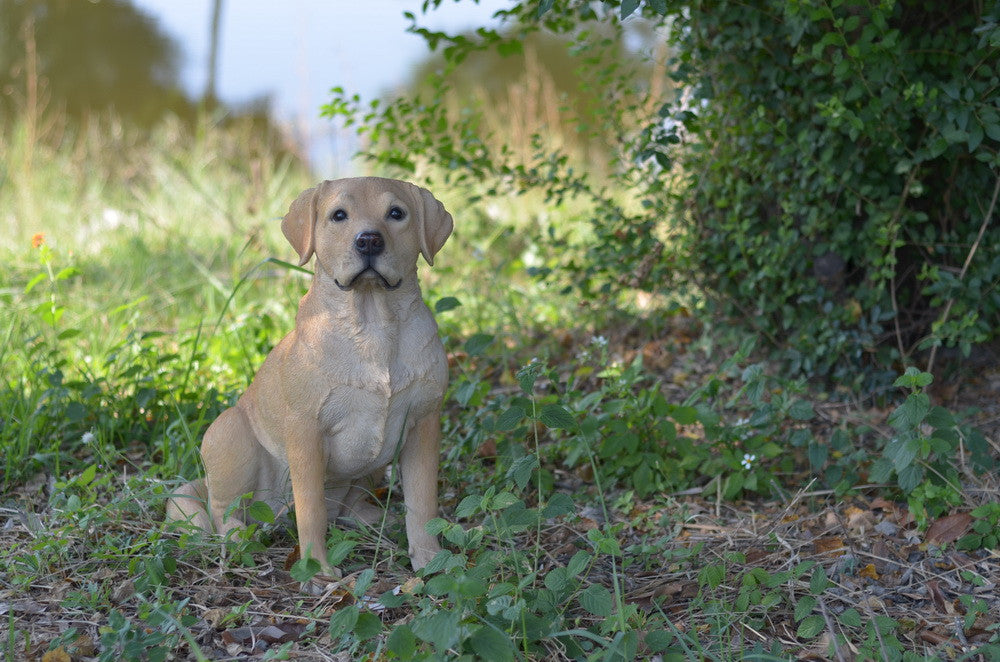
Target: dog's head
[366,230]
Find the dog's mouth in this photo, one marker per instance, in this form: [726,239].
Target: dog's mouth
[365,273]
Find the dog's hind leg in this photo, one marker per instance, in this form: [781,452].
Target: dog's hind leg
[188,503]
[356,503]
[232,456]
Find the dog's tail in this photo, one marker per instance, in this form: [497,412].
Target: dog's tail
[189,504]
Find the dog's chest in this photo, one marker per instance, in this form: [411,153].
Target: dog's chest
[367,414]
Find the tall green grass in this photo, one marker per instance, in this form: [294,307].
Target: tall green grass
[122,251]
[141,273]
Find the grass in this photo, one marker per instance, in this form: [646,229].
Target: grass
[609,490]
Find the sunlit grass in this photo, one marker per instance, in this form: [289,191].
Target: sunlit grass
[152,252]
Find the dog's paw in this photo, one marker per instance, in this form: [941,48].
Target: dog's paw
[422,555]
[322,582]
[362,514]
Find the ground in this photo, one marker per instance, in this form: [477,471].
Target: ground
[791,575]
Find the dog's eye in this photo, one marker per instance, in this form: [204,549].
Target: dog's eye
[338,215]
[396,214]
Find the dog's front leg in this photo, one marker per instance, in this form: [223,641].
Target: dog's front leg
[307,469]
[418,464]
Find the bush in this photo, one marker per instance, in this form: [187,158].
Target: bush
[824,178]
[841,163]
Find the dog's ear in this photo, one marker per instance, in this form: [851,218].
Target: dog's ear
[300,222]
[435,225]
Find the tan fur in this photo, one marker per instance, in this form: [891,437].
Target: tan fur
[362,371]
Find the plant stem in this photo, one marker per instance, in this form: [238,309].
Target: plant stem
[965,268]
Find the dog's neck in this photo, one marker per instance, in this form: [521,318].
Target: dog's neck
[376,312]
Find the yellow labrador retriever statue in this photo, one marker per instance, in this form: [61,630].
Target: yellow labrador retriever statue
[360,378]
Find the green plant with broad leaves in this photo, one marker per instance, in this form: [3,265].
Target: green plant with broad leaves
[924,454]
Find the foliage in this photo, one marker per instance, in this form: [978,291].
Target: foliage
[986,529]
[572,471]
[922,453]
[824,176]
[841,159]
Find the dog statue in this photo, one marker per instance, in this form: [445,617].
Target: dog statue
[359,381]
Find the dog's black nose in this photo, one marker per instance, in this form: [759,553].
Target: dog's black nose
[369,243]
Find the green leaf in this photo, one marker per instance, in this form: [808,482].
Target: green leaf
[304,569]
[510,418]
[558,579]
[659,6]
[520,471]
[343,620]
[339,551]
[851,618]
[87,476]
[468,506]
[471,587]
[911,413]
[909,477]
[490,644]
[684,415]
[440,585]
[557,417]
[880,470]
[402,643]
[578,563]
[527,375]
[261,512]
[440,628]
[810,627]
[801,410]
[819,582]
[444,304]
[503,500]
[559,504]
[363,581]
[818,454]
[68,272]
[901,452]
[804,607]
[464,392]
[437,525]
[368,625]
[914,378]
[658,641]
[712,575]
[34,281]
[596,600]
[628,8]
[477,344]
[940,418]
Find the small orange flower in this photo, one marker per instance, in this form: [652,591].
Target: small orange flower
[38,239]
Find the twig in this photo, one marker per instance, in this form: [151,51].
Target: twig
[892,248]
[829,626]
[965,267]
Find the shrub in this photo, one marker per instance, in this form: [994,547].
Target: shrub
[841,163]
[824,178]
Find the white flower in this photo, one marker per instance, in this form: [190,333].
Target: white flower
[88,438]
[748,460]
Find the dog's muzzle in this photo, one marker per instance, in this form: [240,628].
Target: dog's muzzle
[369,244]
